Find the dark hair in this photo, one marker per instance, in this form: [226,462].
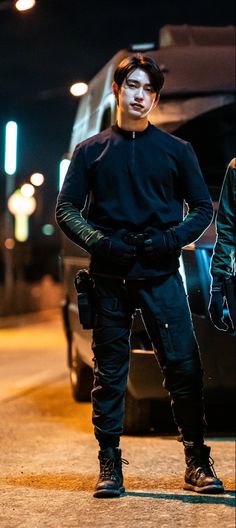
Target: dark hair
[147,64]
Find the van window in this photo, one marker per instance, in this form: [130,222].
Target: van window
[213,137]
[106,119]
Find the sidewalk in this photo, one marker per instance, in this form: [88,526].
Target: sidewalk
[11,321]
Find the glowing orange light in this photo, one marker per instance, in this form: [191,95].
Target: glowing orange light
[9,243]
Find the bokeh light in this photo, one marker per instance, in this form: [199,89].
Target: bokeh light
[24,5]
[27,190]
[37,179]
[48,229]
[9,243]
[78,89]
[21,205]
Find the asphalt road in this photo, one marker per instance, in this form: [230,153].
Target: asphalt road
[49,455]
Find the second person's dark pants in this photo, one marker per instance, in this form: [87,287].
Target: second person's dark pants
[167,319]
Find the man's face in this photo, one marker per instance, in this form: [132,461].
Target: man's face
[137,97]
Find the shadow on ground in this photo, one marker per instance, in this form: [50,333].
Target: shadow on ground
[83,482]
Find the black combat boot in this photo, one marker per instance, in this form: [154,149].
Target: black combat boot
[200,475]
[110,482]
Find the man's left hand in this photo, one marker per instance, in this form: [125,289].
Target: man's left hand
[156,243]
[153,242]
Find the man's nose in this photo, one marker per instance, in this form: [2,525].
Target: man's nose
[139,93]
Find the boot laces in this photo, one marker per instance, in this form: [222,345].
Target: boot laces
[207,468]
[109,471]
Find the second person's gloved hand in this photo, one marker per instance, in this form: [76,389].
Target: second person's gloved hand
[216,310]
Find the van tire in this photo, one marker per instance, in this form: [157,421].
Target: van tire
[137,415]
[81,383]
[81,376]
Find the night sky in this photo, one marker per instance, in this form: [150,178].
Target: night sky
[58,42]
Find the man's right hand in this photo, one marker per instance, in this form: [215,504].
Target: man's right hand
[215,308]
[115,249]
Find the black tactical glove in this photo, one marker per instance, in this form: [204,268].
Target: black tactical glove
[115,249]
[153,242]
[157,243]
[137,239]
[229,287]
[160,243]
[216,310]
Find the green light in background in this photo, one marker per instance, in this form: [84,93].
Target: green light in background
[48,229]
[63,167]
[10,147]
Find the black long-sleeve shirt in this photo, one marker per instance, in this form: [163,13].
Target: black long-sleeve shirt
[134,180]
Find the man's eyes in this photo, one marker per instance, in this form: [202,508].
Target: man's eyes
[134,85]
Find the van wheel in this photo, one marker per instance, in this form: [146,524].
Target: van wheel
[137,415]
[81,377]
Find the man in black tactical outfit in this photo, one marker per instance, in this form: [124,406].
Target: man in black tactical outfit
[137,178]
[223,262]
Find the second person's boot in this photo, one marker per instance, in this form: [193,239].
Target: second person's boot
[200,475]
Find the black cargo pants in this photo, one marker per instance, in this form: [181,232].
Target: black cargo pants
[167,319]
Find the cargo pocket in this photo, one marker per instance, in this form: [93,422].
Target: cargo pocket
[110,311]
[111,321]
[167,342]
[179,341]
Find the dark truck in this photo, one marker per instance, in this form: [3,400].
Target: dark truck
[197,104]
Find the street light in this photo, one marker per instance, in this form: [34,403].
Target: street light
[21,207]
[78,89]
[24,5]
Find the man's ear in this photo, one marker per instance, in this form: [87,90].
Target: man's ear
[156,100]
[115,89]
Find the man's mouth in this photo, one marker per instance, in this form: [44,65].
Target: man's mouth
[137,105]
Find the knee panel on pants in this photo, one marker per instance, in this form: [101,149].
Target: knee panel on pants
[111,358]
[183,378]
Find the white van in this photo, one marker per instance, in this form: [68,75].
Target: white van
[197,104]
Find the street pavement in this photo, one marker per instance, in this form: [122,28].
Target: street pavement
[49,460]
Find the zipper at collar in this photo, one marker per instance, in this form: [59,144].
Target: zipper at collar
[132,134]
[133,148]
